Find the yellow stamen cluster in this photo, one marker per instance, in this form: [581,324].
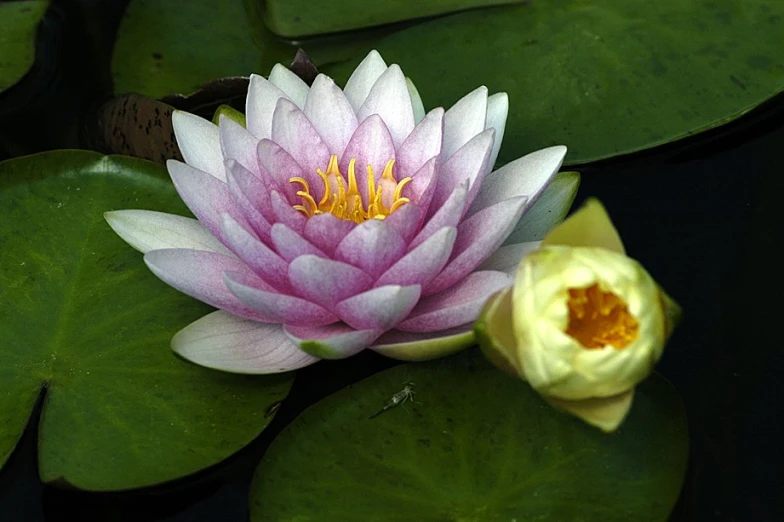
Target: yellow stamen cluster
[598,318]
[383,198]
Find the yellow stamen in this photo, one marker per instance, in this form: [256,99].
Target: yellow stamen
[383,197]
[598,318]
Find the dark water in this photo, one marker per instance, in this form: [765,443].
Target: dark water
[703,215]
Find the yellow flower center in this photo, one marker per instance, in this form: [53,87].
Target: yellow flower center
[598,318]
[346,203]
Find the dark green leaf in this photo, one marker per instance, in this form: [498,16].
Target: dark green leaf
[297,18]
[82,318]
[18,25]
[475,445]
[603,78]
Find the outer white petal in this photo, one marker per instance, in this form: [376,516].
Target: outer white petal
[260,105]
[526,176]
[416,101]
[147,230]
[228,343]
[284,79]
[508,257]
[497,110]
[549,210]
[363,78]
[406,346]
[199,142]
[464,120]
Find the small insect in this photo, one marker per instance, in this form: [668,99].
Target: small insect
[406,394]
[273,409]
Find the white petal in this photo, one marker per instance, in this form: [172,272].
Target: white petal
[464,120]
[232,344]
[526,176]
[549,210]
[330,114]
[146,230]
[199,142]
[508,257]
[238,144]
[260,104]
[363,78]
[497,110]
[416,101]
[389,99]
[287,81]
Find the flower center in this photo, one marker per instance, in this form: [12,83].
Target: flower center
[347,203]
[598,318]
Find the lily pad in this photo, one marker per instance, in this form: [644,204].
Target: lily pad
[297,18]
[474,444]
[18,26]
[605,78]
[84,321]
[175,47]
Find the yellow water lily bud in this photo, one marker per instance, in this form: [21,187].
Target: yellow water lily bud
[583,323]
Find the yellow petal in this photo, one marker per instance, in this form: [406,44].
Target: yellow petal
[590,226]
[495,334]
[605,413]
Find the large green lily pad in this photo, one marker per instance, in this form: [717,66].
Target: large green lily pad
[297,18]
[476,445]
[604,78]
[84,321]
[176,46]
[18,25]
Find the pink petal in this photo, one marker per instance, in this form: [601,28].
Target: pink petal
[330,113]
[260,106]
[458,305]
[292,130]
[363,78]
[231,344]
[260,258]
[497,110]
[336,341]
[199,274]
[424,183]
[251,197]
[380,308]
[447,216]
[468,163]
[371,145]
[326,231]
[405,346]
[477,238]
[464,120]
[423,263]
[292,85]
[279,307]
[405,220]
[372,246]
[238,144]
[281,168]
[291,245]
[199,143]
[205,195]
[527,176]
[423,143]
[325,281]
[285,213]
[389,99]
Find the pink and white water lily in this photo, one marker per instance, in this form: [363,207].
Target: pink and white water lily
[341,220]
